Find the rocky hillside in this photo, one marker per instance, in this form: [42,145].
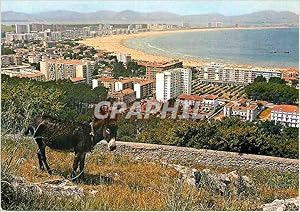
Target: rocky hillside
[122,181]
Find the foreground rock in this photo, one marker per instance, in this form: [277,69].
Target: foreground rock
[223,184]
[282,205]
[60,187]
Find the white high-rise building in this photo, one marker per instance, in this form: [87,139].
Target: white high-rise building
[173,82]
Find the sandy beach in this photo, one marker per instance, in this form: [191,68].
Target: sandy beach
[115,43]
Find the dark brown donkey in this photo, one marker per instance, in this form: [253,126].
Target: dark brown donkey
[70,137]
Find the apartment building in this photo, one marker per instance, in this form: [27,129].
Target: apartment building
[21,29]
[143,88]
[207,102]
[124,58]
[244,109]
[172,83]
[7,60]
[66,69]
[287,115]
[218,73]
[127,95]
[34,58]
[122,84]
[107,82]
[152,68]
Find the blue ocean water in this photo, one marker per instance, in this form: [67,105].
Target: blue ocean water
[267,47]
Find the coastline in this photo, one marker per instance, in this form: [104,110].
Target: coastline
[115,43]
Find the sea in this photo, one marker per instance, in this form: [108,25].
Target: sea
[277,47]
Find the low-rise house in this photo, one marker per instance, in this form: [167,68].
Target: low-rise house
[207,102]
[245,110]
[34,75]
[287,115]
[123,84]
[107,82]
[127,95]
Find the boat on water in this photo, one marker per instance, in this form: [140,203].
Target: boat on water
[286,52]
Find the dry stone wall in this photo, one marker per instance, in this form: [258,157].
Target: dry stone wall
[192,156]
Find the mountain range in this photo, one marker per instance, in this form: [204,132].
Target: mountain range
[266,17]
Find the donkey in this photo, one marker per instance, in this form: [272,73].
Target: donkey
[70,137]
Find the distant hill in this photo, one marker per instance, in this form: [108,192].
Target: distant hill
[129,16]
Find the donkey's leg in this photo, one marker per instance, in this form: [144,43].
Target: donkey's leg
[42,155]
[81,164]
[39,154]
[75,164]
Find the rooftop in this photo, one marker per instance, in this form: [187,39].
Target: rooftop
[127,91]
[126,80]
[77,79]
[30,75]
[211,97]
[143,81]
[286,108]
[190,97]
[106,79]
[68,62]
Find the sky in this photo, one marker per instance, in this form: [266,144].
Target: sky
[224,7]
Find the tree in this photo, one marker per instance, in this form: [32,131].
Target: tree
[260,79]
[6,51]
[277,80]
[36,66]
[272,92]
[295,82]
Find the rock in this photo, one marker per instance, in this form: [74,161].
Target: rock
[60,187]
[282,205]
[220,183]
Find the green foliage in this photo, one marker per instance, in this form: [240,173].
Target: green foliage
[272,92]
[36,66]
[132,70]
[295,82]
[277,80]
[6,51]
[23,98]
[260,79]
[7,28]
[230,134]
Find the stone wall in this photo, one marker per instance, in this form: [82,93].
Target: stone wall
[191,156]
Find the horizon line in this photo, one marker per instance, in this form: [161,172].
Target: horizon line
[162,11]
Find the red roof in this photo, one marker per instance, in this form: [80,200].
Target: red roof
[252,107]
[229,104]
[77,79]
[290,78]
[211,97]
[286,108]
[190,97]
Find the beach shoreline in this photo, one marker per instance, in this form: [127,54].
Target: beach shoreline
[115,43]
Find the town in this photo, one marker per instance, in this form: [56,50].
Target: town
[150,105]
[53,52]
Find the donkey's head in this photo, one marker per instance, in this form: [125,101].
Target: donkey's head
[105,129]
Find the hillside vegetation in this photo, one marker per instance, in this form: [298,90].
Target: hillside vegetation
[22,99]
[120,182]
[229,134]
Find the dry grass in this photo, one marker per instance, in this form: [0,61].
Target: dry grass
[122,183]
